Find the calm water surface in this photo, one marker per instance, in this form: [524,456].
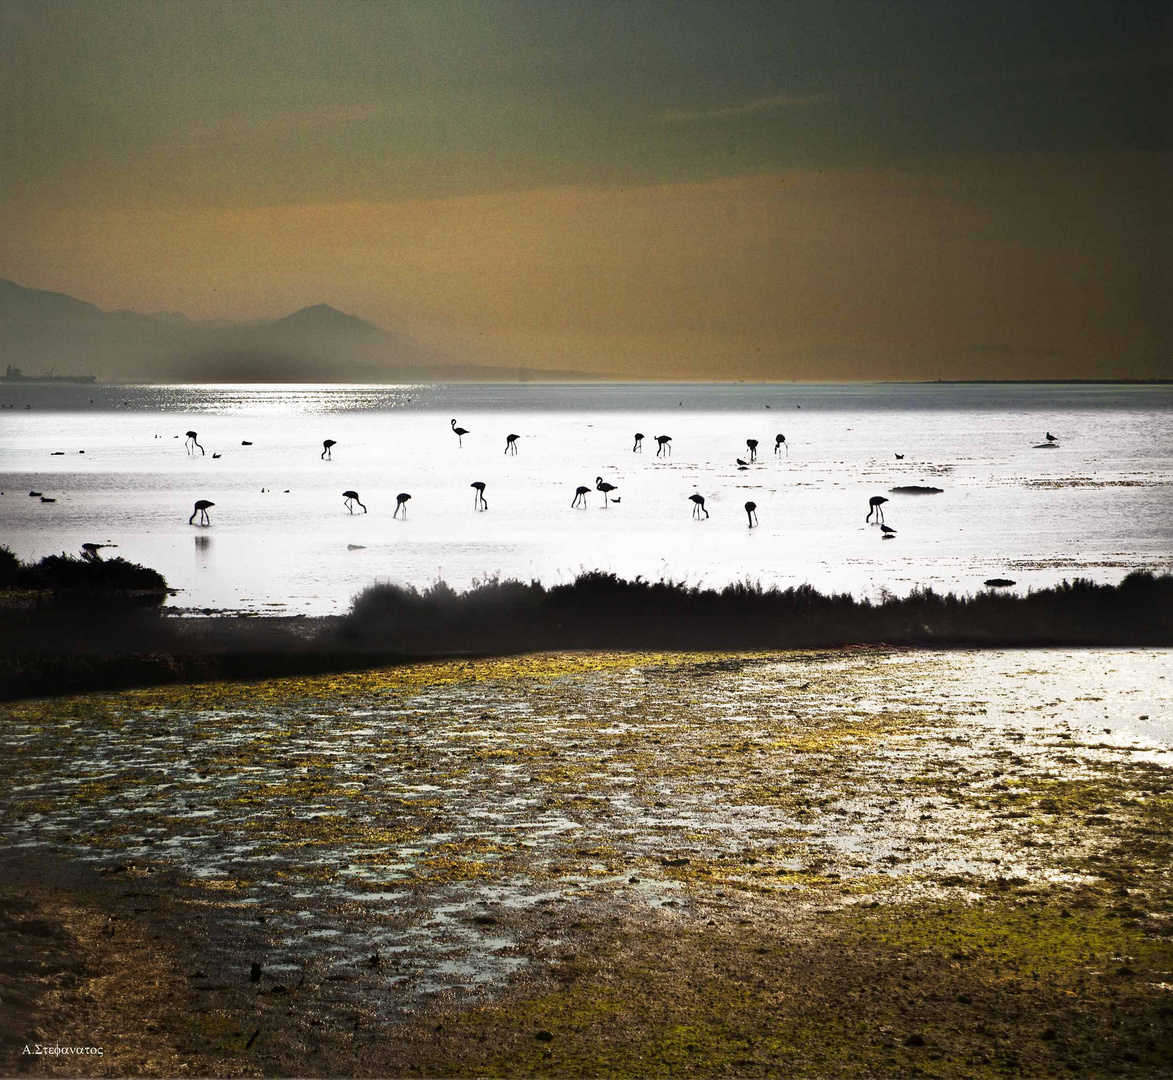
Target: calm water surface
[281,540]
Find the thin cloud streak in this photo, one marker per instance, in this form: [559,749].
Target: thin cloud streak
[745,108]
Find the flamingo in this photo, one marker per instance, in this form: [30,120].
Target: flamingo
[751,511]
[460,433]
[190,443]
[876,506]
[401,501]
[349,498]
[605,488]
[639,442]
[201,508]
[665,442]
[779,442]
[698,505]
[580,494]
[511,443]
[478,502]
[753,449]
[327,446]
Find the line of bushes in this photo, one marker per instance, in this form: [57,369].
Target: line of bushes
[69,574]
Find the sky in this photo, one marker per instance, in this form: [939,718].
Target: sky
[814,190]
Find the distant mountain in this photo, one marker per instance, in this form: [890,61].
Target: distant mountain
[42,331]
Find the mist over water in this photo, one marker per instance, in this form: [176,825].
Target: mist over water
[282,541]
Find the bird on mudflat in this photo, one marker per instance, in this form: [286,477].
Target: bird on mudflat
[779,442]
[580,494]
[665,442]
[876,506]
[190,443]
[401,501]
[888,531]
[639,442]
[605,488]
[753,449]
[460,433]
[327,446]
[698,505]
[751,511]
[478,502]
[349,498]
[511,443]
[1051,438]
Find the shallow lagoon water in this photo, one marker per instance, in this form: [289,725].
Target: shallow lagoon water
[282,541]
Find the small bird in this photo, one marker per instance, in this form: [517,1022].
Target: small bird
[1051,438]
[899,457]
[45,498]
[478,502]
[327,446]
[580,494]
[349,498]
[888,531]
[460,433]
[245,442]
[201,508]
[215,456]
[605,488]
[751,511]
[639,442]
[876,506]
[401,501]
[89,551]
[698,506]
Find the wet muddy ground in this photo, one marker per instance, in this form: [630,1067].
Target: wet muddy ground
[603,864]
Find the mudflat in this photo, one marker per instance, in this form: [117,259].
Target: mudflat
[848,862]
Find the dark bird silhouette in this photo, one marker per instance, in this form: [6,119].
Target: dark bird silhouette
[201,508]
[460,433]
[190,443]
[89,551]
[665,442]
[753,449]
[34,494]
[245,442]
[478,502]
[327,446]
[751,511]
[639,442]
[605,488]
[401,501]
[45,498]
[698,506]
[876,506]
[349,498]
[1051,438]
[215,456]
[779,442]
[742,463]
[888,531]
[580,494]
[899,457]
[511,443]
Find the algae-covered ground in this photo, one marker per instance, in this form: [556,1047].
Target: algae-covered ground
[843,863]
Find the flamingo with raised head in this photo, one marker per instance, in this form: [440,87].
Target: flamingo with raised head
[460,433]
[605,488]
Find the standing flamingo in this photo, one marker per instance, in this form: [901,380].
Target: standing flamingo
[350,498]
[753,449]
[580,494]
[201,508]
[511,443]
[605,488]
[665,442]
[478,502]
[751,511]
[639,442]
[327,446]
[460,433]
[698,505]
[779,442]
[401,501]
[876,506]
[190,443]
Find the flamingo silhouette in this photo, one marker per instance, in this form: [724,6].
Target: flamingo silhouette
[779,442]
[201,508]
[698,505]
[350,498]
[876,506]
[460,433]
[580,494]
[665,442]
[753,449]
[639,442]
[751,512]
[327,446]
[478,502]
[605,488]
[190,443]
[401,501]
[511,443]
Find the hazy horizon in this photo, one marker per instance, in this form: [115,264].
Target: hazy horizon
[833,191]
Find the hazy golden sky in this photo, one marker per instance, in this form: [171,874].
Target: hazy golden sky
[740,190]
